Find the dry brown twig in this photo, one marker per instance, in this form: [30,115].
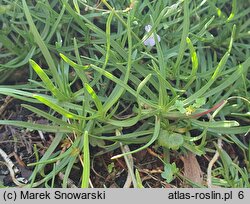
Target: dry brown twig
[211,163]
[6,102]
[12,169]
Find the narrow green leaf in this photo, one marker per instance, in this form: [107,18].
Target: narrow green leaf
[234,76]
[124,123]
[231,130]
[184,36]
[46,80]
[210,82]
[61,110]
[233,12]
[92,93]
[155,136]
[41,44]
[76,6]
[119,90]
[109,76]
[47,115]
[33,126]
[194,58]
[226,123]
[86,162]
[70,165]
[138,179]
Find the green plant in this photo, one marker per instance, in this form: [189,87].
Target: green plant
[168,88]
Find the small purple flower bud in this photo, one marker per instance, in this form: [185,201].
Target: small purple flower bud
[148,28]
[150,41]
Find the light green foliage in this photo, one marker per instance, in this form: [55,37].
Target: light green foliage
[179,105]
[170,171]
[138,179]
[90,68]
[111,167]
[170,140]
[199,102]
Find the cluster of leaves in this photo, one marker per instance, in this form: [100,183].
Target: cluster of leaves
[91,68]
